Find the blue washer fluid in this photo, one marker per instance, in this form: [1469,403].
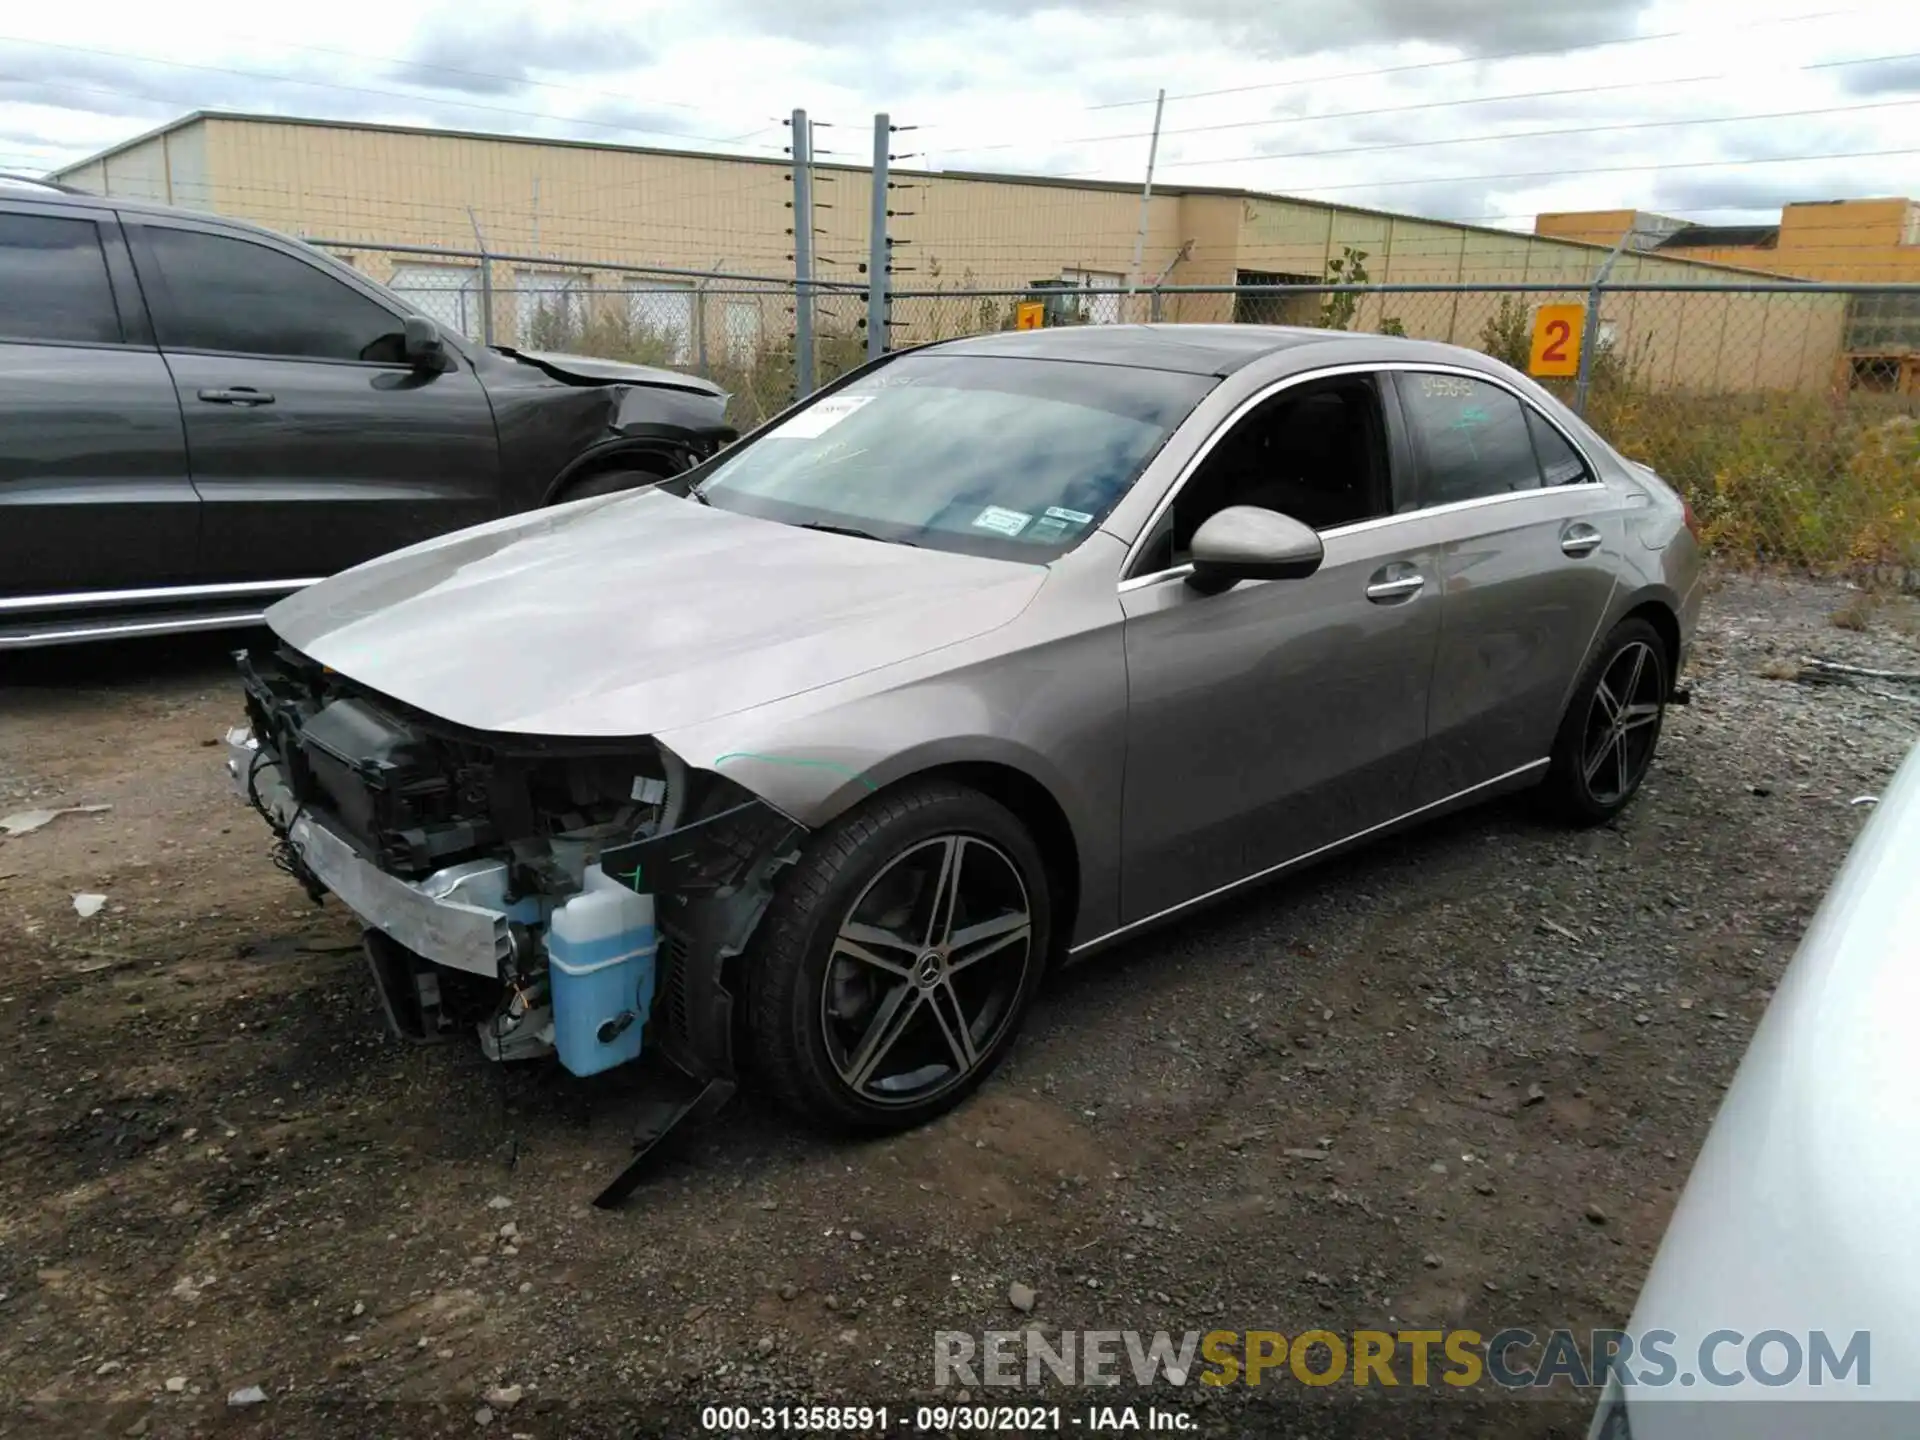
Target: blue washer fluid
[600,973]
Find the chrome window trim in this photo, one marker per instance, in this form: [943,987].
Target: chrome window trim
[86,599]
[1267,392]
[121,629]
[1141,582]
[1258,875]
[78,344]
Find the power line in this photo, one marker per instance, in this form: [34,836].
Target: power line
[333,85]
[1543,134]
[567,89]
[1474,60]
[1272,122]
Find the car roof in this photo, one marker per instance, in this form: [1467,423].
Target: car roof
[36,187]
[1192,349]
[55,192]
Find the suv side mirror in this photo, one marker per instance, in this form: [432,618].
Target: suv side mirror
[421,345]
[1245,542]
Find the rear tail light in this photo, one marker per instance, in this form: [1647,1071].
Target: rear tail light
[1687,518]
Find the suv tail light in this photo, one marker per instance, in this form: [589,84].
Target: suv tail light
[1687,518]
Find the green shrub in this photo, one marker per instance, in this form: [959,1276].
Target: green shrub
[1827,483]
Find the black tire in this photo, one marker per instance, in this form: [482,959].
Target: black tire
[812,1006]
[608,482]
[1605,745]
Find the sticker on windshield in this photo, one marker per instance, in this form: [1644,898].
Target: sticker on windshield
[1047,529]
[819,418]
[1007,522]
[1069,517]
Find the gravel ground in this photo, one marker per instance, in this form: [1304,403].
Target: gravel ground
[1457,1079]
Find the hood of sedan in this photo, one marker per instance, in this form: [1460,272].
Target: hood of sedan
[633,614]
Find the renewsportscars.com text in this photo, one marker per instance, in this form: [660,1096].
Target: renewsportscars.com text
[1510,1359]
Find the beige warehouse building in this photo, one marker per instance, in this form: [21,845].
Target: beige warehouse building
[572,209]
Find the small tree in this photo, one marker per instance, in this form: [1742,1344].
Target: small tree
[1347,268]
[551,324]
[1508,334]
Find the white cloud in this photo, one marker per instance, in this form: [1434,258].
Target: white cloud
[1343,101]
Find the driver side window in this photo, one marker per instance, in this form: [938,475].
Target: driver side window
[233,296]
[1316,452]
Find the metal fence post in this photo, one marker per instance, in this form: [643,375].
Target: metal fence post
[877,247]
[803,371]
[1589,339]
[486,280]
[1590,330]
[700,326]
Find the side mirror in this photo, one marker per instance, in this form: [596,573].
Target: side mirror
[1245,542]
[421,345]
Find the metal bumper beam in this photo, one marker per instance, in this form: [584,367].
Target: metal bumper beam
[426,918]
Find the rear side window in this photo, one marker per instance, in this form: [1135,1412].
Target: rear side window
[229,294]
[1560,463]
[1472,436]
[53,282]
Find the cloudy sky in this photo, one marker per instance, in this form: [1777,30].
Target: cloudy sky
[1486,110]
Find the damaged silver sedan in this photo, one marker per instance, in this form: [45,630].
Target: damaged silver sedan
[992,653]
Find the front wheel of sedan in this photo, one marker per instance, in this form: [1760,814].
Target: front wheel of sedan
[898,958]
[1607,738]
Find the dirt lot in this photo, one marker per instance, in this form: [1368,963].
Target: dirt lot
[1455,1080]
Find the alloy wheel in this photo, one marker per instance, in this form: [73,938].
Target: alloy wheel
[1622,723]
[927,969]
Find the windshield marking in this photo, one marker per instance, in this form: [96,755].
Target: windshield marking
[1006,522]
[819,418]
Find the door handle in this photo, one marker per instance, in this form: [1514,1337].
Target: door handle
[238,395]
[1579,540]
[1385,592]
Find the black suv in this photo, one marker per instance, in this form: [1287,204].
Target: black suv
[198,416]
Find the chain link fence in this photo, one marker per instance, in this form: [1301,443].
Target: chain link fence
[736,330]
[1788,414]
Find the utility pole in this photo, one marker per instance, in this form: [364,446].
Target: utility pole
[1146,197]
[803,371]
[878,279]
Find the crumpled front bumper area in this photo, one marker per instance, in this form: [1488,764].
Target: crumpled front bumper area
[457,917]
[711,874]
[466,854]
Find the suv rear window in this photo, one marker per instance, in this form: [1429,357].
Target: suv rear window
[229,294]
[53,282]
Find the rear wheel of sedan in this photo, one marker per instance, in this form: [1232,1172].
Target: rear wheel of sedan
[1607,738]
[898,958]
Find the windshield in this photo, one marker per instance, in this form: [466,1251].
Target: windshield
[988,455]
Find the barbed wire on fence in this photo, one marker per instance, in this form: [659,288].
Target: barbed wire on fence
[1787,413]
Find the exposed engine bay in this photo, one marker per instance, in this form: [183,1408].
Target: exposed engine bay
[557,898]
